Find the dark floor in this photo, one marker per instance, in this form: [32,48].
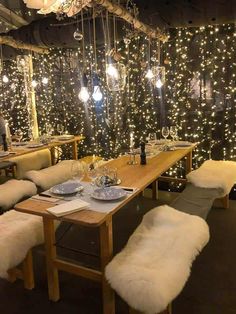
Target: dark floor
[211,288]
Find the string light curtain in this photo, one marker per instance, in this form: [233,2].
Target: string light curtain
[198,95]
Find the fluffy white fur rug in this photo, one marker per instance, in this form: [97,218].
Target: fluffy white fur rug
[48,177]
[19,233]
[215,174]
[155,264]
[13,191]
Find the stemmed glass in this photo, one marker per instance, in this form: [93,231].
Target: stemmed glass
[77,171]
[48,129]
[165,132]
[173,132]
[60,128]
[152,137]
[18,135]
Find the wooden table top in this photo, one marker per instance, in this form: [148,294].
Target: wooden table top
[22,150]
[139,176]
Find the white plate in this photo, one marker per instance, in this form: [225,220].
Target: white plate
[35,145]
[67,188]
[19,143]
[108,194]
[3,154]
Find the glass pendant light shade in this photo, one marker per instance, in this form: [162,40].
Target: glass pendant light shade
[115,76]
[84,94]
[158,79]
[97,93]
[22,63]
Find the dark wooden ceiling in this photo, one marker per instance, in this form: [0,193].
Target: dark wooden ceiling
[187,13]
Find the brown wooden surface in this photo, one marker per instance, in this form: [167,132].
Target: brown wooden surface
[50,250]
[106,254]
[28,271]
[138,176]
[19,151]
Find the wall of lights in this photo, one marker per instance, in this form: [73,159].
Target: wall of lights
[198,95]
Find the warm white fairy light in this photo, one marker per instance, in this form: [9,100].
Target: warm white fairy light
[45,80]
[34,83]
[5,79]
[112,71]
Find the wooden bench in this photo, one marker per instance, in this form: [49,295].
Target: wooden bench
[155,264]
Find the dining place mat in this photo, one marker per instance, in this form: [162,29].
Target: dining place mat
[94,205]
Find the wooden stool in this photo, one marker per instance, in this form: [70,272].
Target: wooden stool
[9,167]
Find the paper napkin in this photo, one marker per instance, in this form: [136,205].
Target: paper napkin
[68,208]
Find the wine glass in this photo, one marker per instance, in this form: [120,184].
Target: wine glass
[48,129]
[77,171]
[173,132]
[60,128]
[165,132]
[18,135]
[152,138]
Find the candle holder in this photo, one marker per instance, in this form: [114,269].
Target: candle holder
[132,154]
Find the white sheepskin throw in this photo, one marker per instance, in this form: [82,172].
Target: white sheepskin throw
[48,177]
[155,264]
[214,174]
[12,191]
[19,233]
[32,161]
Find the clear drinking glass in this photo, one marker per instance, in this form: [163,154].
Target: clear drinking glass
[49,129]
[165,132]
[60,129]
[173,132]
[18,135]
[77,171]
[152,138]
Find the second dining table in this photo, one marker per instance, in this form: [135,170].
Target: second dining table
[138,176]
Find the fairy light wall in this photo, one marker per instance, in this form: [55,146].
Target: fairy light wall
[198,95]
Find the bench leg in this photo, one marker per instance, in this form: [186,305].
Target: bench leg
[25,272]
[167,311]
[225,201]
[28,272]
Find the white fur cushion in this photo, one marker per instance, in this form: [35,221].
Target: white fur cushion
[13,191]
[48,177]
[32,161]
[19,233]
[155,264]
[214,174]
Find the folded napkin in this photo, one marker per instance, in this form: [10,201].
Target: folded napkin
[45,198]
[68,208]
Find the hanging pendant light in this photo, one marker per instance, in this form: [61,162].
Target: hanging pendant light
[149,75]
[115,76]
[97,93]
[84,94]
[158,79]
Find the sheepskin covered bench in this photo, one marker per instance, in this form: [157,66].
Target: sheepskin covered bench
[215,174]
[19,233]
[32,161]
[13,191]
[48,177]
[155,264]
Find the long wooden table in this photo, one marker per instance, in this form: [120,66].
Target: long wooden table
[22,150]
[131,175]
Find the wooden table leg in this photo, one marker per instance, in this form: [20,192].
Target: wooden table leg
[28,272]
[106,253]
[75,150]
[50,250]
[53,155]
[189,160]
[154,190]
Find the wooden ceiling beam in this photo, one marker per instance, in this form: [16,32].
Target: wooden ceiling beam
[10,41]
[11,18]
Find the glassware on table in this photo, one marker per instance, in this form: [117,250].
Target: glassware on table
[165,132]
[49,129]
[77,171]
[60,129]
[173,132]
[18,135]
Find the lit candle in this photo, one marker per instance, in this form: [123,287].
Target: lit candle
[131,139]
